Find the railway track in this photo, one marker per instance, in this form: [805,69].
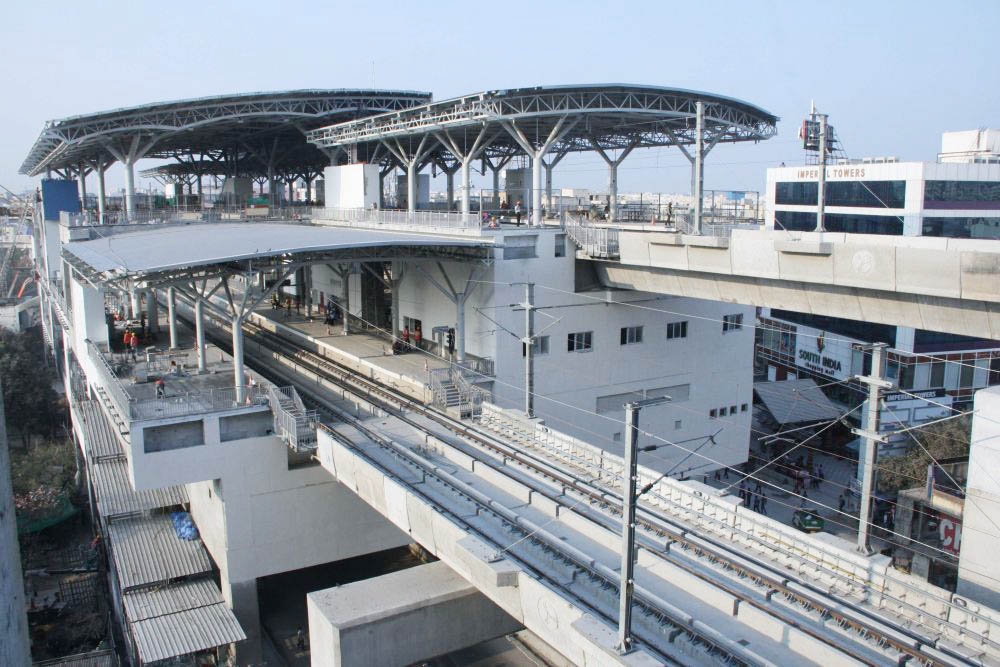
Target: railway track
[893,642]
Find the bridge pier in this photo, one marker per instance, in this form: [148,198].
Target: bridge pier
[432,607]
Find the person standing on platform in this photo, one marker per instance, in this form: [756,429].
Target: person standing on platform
[406,337]
[133,346]
[517,213]
[417,335]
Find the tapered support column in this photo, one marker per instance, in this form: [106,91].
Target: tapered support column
[411,188]
[466,188]
[397,278]
[172,316]
[613,191]
[460,327]
[536,189]
[82,180]
[135,304]
[239,381]
[199,333]
[496,187]
[699,165]
[548,188]
[450,176]
[152,314]
[130,188]
[100,192]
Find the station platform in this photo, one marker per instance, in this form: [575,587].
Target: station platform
[364,351]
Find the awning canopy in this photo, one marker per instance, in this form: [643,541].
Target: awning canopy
[796,401]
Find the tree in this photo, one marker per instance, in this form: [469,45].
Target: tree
[942,439]
[30,402]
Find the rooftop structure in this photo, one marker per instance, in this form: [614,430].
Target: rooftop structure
[263,132]
[546,123]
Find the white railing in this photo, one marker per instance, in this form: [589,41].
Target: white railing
[111,383]
[595,241]
[364,217]
[292,422]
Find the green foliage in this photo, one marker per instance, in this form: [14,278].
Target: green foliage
[31,405]
[943,440]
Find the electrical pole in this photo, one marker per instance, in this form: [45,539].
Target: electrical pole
[629,499]
[529,359]
[876,383]
[821,194]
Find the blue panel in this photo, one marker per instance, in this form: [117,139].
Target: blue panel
[57,196]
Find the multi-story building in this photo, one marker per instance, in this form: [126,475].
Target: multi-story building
[957,197]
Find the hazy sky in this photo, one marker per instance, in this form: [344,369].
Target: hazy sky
[892,75]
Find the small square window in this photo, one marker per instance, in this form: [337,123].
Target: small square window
[677,424]
[630,335]
[732,409]
[722,411]
[732,322]
[581,341]
[617,436]
[712,413]
[677,330]
[743,408]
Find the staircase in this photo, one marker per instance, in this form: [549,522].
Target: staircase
[292,422]
[446,393]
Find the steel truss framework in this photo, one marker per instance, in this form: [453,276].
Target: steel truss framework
[582,118]
[224,127]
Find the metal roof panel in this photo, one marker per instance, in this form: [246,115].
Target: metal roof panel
[146,551]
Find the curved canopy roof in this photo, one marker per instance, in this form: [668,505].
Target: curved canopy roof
[164,251]
[269,126]
[569,118]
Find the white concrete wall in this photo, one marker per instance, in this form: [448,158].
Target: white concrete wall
[351,185]
[978,567]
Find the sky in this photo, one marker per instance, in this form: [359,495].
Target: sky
[891,75]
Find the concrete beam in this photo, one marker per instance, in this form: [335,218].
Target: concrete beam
[436,610]
[936,284]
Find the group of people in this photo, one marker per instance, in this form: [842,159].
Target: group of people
[408,341]
[131,342]
[755,499]
[330,313]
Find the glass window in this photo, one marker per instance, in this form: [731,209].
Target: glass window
[967,374]
[580,342]
[539,347]
[867,194]
[962,228]
[838,222]
[937,375]
[560,245]
[732,322]
[677,330]
[732,409]
[712,413]
[959,194]
[804,193]
[630,335]
[677,424]
[743,408]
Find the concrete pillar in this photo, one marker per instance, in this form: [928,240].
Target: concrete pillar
[172,316]
[82,180]
[394,290]
[238,380]
[699,164]
[129,188]
[100,192]
[466,188]
[411,187]
[272,197]
[460,326]
[135,304]
[15,645]
[152,314]
[613,191]
[307,284]
[496,187]
[436,610]
[450,177]
[309,189]
[548,187]
[243,601]
[536,188]
[345,307]
[199,333]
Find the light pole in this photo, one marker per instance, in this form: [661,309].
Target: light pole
[629,499]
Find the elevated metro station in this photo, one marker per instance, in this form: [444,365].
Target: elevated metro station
[365,377]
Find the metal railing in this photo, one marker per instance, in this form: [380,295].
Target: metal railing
[112,385]
[292,422]
[478,367]
[380,217]
[595,241]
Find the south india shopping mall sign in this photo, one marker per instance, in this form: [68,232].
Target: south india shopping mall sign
[813,353]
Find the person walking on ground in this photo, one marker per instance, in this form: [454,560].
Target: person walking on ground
[417,336]
[756,502]
[763,503]
[133,346]
[517,213]
[821,475]
[161,388]
[743,492]
[841,502]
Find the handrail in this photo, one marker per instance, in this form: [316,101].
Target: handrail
[595,241]
[376,217]
[292,422]
[113,385]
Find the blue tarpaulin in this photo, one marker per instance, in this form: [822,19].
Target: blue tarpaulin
[184,526]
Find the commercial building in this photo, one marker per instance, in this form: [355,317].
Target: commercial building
[957,197]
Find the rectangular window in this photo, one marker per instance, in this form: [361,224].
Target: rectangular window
[677,330]
[412,323]
[732,409]
[519,247]
[630,335]
[732,322]
[582,341]
[805,221]
[743,408]
[967,374]
[937,375]
[906,376]
[677,424]
[560,245]
[539,347]
[722,411]
[712,413]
